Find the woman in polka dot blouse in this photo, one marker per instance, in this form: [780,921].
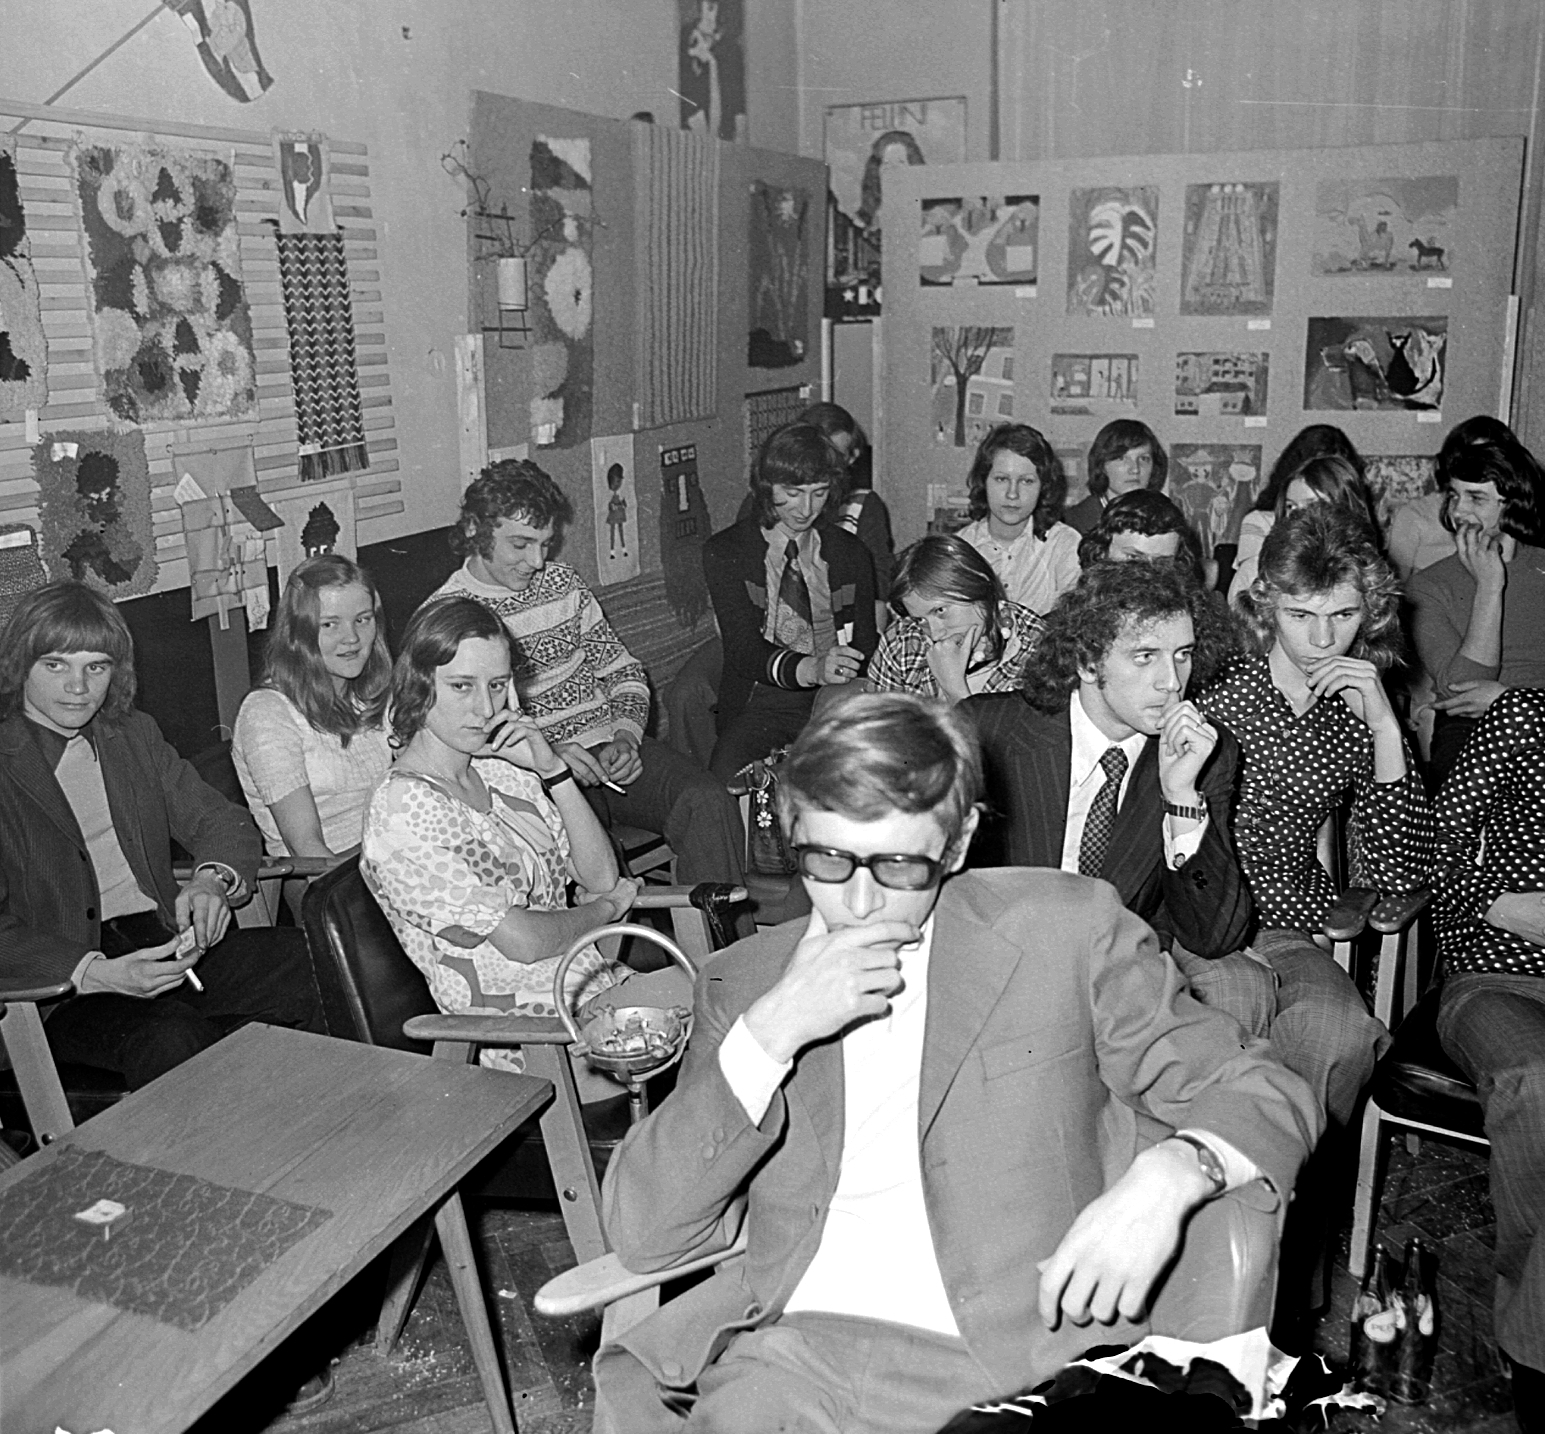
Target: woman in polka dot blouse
[1490,915]
[1311,715]
[473,836]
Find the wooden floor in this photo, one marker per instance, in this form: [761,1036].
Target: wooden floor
[428,1385]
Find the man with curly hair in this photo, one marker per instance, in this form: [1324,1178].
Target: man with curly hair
[1100,766]
[1316,727]
[586,691]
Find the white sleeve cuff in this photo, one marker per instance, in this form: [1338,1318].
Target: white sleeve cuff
[1178,850]
[79,972]
[753,1075]
[1238,1168]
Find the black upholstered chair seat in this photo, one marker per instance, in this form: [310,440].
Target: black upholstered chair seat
[1417,1081]
[370,987]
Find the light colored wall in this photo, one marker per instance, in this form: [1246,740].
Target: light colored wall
[1133,77]
[397,75]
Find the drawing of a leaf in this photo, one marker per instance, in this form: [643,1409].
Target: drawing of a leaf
[1120,232]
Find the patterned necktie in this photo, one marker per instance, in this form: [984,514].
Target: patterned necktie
[1102,814]
[793,626]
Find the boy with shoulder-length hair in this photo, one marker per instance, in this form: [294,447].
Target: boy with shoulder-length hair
[576,677]
[794,598]
[91,796]
[917,1092]
[1316,727]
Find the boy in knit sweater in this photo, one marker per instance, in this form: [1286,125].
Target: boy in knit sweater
[585,690]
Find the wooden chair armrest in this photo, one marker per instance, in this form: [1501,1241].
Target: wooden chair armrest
[598,1283]
[272,868]
[1395,913]
[511,1030]
[657,898]
[1349,915]
[18,991]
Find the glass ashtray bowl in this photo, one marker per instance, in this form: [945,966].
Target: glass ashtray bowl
[635,1041]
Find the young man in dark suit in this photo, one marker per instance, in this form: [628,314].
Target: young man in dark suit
[91,796]
[1100,766]
[963,1114]
[795,599]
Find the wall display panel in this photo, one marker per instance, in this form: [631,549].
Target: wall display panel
[48,181]
[1226,300]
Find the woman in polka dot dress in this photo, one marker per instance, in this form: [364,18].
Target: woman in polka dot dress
[473,836]
[1315,725]
[1490,915]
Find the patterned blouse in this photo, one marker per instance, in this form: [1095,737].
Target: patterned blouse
[1296,770]
[432,862]
[1495,794]
[900,663]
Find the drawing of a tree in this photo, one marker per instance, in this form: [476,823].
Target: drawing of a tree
[963,351]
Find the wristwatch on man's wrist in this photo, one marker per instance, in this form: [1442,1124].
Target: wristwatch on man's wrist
[221,873]
[1195,814]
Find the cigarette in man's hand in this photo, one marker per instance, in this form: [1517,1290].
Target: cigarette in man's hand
[607,782]
[194,982]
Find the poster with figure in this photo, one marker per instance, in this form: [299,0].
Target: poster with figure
[983,240]
[1214,485]
[1104,385]
[778,268]
[1370,227]
[614,494]
[711,68]
[227,45]
[1376,364]
[1113,243]
[971,369]
[861,142]
[1229,248]
[1221,384]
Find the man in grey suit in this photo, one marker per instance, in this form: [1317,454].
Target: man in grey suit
[91,796]
[962,1115]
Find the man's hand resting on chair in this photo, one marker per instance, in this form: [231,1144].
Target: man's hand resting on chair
[1120,1243]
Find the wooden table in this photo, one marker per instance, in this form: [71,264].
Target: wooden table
[377,1136]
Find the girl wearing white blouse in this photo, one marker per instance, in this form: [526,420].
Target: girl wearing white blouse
[1016,488]
[310,741]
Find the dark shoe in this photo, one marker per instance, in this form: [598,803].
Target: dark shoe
[1528,1396]
[313,1394]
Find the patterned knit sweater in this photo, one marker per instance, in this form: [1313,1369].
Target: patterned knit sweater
[573,674]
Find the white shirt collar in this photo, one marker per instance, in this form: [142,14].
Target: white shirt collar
[1090,744]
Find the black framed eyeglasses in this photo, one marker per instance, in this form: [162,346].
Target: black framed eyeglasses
[900,871]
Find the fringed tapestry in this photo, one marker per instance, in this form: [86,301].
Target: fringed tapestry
[163,266]
[23,349]
[562,293]
[94,502]
[329,423]
[676,281]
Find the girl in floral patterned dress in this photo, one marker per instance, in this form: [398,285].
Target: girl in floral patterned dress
[473,836]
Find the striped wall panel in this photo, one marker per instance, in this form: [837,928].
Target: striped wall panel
[45,180]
